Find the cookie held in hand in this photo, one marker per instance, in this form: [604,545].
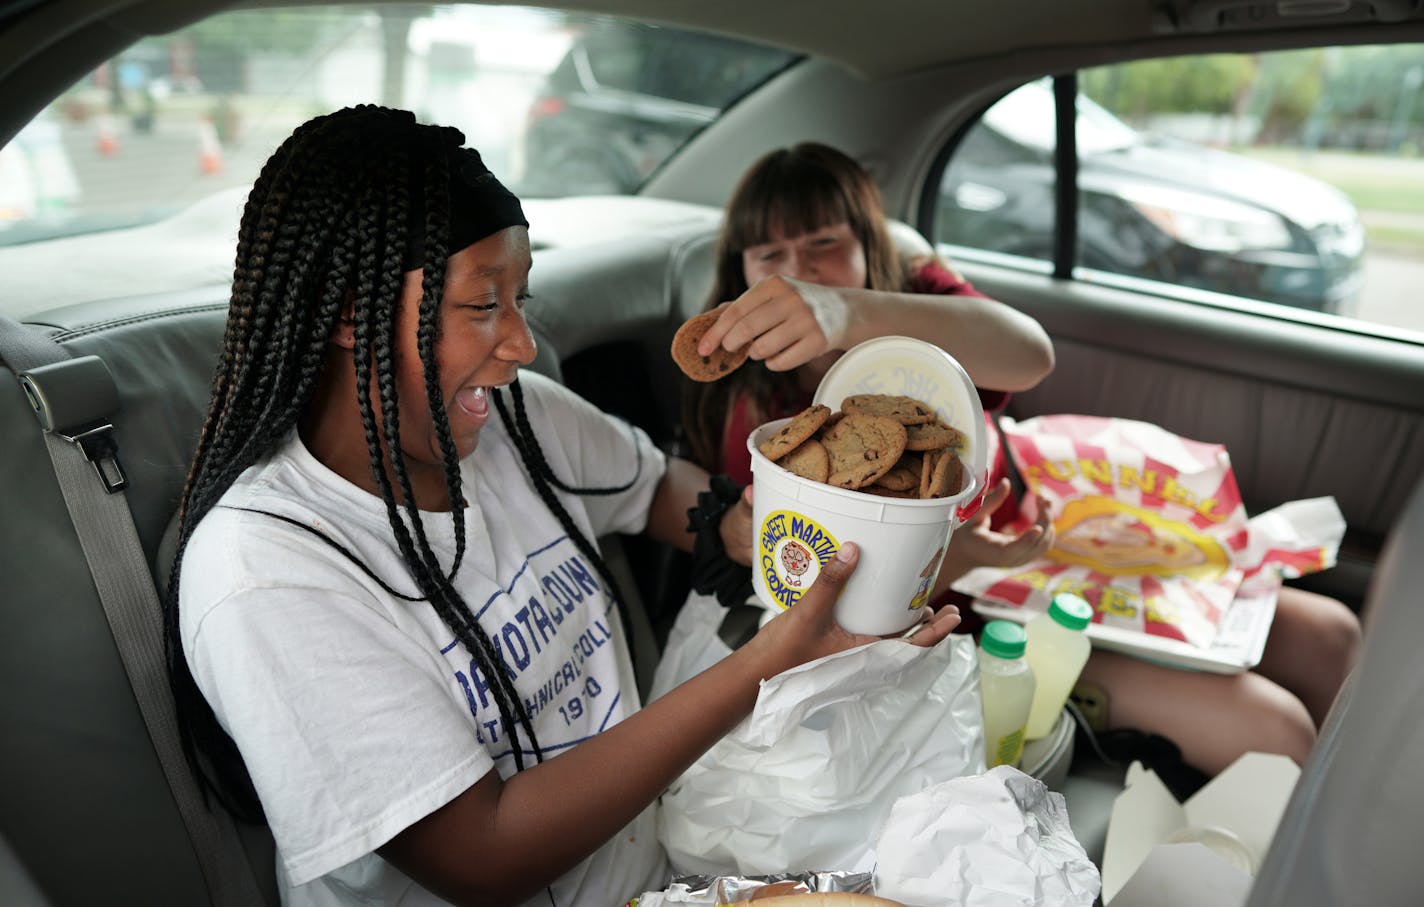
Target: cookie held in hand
[694,365]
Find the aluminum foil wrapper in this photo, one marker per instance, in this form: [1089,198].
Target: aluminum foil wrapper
[715,890]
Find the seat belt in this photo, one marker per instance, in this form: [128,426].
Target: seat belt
[74,398]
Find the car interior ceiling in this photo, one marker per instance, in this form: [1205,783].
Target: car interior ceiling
[604,318]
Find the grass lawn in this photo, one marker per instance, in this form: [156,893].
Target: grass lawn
[1401,239]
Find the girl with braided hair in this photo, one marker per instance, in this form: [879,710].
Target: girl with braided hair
[389,631]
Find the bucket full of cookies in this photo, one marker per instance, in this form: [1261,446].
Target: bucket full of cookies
[891,455]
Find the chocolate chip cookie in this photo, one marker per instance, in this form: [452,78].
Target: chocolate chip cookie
[720,363]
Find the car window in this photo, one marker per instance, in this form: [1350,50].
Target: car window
[709,71]
[615,57]
[1294,179]
[556,102]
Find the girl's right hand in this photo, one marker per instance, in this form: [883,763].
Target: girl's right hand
[808,630]
[783,322]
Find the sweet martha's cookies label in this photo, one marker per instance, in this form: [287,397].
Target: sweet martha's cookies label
[792,549]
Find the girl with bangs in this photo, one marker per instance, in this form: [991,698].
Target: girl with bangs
[806,268]
[808,265]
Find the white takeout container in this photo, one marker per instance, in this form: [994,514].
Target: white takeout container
[801,524]
[1202,853]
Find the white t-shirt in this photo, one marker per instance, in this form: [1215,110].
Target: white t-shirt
[357,713]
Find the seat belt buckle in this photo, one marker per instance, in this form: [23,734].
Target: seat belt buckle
[103,452]
[74,399]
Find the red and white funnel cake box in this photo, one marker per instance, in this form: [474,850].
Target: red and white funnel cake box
[1150,529]
[800,523]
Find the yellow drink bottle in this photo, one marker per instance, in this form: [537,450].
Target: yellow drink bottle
[1006,688]
[1057,649]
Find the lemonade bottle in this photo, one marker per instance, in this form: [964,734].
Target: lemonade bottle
[1057,650]
[1006,688]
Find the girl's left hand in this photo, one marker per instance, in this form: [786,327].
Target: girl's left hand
[736,529]
[787,322]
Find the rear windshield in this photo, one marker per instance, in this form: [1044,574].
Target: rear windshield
[557,103]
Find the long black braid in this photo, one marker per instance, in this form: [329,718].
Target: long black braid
[325,226]
[522,433]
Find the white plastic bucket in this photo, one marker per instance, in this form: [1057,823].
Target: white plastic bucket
[801,524]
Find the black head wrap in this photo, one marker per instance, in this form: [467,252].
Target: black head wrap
[480,206]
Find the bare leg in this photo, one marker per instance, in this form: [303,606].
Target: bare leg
[1314,643]
[1212,718]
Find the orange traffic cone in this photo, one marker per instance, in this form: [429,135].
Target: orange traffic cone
[210,159]
[108,141]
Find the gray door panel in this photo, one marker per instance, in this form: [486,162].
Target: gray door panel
[1303,410]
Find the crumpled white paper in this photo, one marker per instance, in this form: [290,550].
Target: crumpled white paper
[805,780]
[997,839]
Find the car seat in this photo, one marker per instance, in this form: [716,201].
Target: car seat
[1350,832]
[85,788]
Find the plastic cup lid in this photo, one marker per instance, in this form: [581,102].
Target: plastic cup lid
[1003,638]
[1071,611]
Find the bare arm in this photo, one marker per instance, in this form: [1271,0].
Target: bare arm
[667,518]
[1000,347]
[499,842]
[790,322]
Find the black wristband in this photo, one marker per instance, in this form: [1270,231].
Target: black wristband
[713,572]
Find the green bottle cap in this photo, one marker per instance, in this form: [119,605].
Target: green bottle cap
[1071,611]
[1003,638]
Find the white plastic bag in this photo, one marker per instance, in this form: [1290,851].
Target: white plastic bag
[693,645]
[804,782]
